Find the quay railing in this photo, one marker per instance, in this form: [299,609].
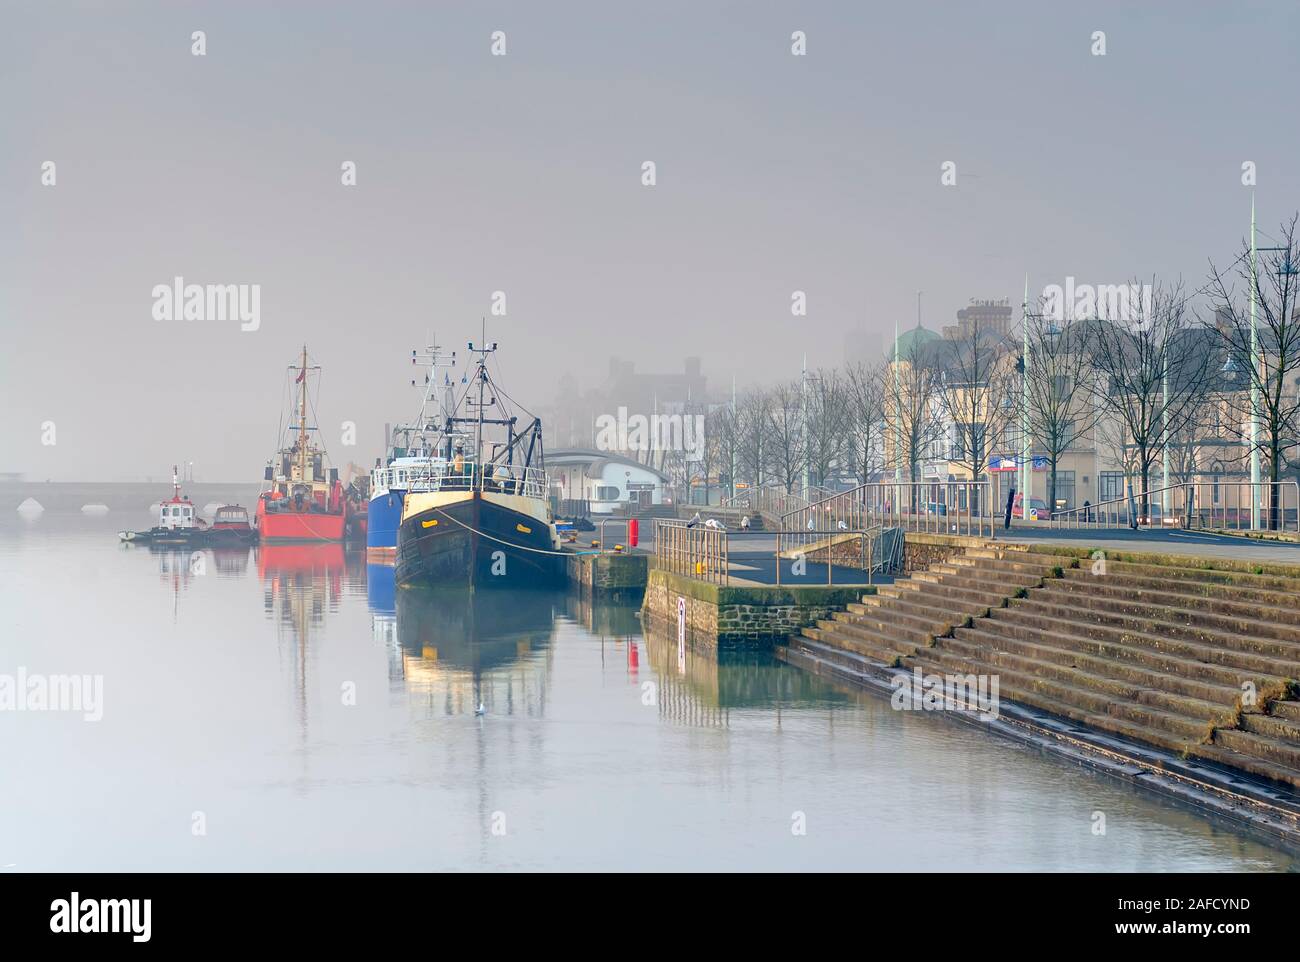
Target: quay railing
[697,551]
[939,507]
[706,553]
[1203,505]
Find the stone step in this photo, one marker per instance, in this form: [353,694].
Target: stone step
[1067,659]
[1152,651]
[1008,552]
[851,660]
[1273,750]
[1007,565]
[1170,594]
[1178,714]
[1201,589]
[1152,725]
[937,589]
[1075,594]
[937,609]
[1042,601]
[1205,575]
[1225,757]
[1289,710]
[908,631]
[1270,726]
[875,645]
[970,575]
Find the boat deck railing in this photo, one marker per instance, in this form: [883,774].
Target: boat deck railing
[466,476]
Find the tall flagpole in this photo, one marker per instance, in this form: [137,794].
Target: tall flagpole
[1026,459]
[1254,379]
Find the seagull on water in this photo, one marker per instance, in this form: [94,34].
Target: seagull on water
[480,710]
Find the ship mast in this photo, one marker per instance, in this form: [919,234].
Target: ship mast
[302,419]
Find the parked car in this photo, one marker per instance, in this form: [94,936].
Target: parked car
[1037,509]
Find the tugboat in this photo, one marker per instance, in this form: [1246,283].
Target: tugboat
[301,502]
[178,523]
[485,519]
[411,455]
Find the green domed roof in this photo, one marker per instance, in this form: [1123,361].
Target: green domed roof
[911,340]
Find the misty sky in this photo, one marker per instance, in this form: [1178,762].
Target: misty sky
[523,173]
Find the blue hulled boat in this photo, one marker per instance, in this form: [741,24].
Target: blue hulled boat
[411,456]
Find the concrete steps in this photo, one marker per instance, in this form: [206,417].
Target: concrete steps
[1200,662]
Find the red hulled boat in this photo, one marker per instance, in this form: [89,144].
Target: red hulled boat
[305,500]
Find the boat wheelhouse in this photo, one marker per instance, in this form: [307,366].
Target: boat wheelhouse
[231,525]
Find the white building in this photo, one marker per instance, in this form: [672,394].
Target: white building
[604,479]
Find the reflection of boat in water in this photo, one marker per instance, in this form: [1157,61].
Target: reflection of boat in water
[381,598]
[467,647]
[301,584]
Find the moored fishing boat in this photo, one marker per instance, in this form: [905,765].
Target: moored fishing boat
[411,453]
[485,518]
[304,500]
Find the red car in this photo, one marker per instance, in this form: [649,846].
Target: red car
[1037,509]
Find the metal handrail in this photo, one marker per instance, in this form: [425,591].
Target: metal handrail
[704,553]
[437,475]
[939,507]
[1188,507]
[697,551]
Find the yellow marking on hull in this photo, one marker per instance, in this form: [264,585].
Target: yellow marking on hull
[428,524]
[520,528]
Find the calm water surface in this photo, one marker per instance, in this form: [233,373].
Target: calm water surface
[308,716]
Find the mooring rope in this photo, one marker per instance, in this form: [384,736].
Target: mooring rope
[510,544]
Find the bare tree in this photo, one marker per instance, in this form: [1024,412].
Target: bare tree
[1154,364]
[725,429]
[752,434]
[912,410]
[865,416]
[785,433]
[977,387]
[826,419]
[1267,361]
[1059,388]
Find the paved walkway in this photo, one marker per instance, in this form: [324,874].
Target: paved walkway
[1167,541]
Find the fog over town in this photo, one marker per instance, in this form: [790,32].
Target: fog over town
[798,203]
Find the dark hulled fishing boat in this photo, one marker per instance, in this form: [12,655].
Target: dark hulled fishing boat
[480,514]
